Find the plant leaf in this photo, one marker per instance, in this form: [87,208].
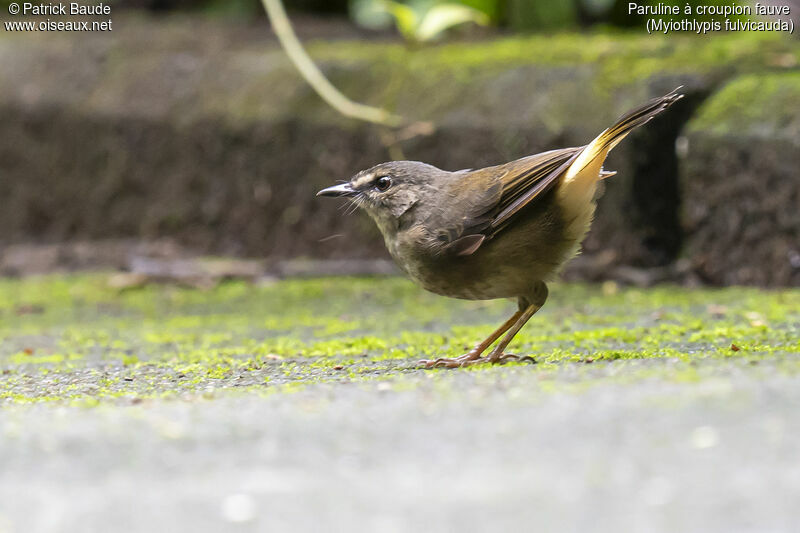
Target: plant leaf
[405,17]
[444,16]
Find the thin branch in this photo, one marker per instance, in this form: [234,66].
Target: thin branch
[315,78]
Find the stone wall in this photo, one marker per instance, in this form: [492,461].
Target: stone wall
[741,183]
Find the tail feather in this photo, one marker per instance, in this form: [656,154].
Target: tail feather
[638,117]
[607,173]
[579,183]
[612,136]
[579,180]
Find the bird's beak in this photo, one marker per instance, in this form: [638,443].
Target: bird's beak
[343,189]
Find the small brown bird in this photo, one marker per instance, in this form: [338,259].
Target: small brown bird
[497,232]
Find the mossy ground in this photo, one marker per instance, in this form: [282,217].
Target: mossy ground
[75,339]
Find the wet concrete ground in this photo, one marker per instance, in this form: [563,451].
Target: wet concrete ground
[99,431]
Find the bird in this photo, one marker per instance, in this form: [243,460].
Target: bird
[503,231]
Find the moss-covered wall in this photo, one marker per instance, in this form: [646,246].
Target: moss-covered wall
[741,183]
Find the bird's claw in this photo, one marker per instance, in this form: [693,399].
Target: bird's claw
[511,357]
[470,359]
[450,362]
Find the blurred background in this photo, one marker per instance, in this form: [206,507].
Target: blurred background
[186,132]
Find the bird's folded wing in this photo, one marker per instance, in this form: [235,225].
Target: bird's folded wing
[482,202]
[527,179]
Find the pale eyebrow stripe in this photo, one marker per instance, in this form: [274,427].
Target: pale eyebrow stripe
[363,180]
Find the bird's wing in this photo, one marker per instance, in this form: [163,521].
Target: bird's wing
[527,179]
[508,189]
[480,203]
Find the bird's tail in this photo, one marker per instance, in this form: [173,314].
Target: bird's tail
[588,166]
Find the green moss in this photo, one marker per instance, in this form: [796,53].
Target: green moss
[604,49]
[447,72]
[754,104]
[87,342]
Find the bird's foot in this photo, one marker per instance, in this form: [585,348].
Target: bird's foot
[451,362]
[472,358]
[505,357]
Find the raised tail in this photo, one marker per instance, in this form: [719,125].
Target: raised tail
[582,175]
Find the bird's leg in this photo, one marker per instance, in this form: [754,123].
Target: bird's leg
[476,352]
[497,355]
[538,299]
[528,306]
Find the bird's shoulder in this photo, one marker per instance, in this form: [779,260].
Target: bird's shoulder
[463,204]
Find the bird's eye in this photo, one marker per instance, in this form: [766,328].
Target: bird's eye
[383,183]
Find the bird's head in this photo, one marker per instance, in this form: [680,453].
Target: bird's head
[389,190]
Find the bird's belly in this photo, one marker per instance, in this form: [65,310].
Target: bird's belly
[467,283]
[484,289]
[510,265]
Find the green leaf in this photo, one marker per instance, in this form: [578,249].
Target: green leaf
[444,16]
[405,18]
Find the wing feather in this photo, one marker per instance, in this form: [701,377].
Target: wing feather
[535,178]
[482,202]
